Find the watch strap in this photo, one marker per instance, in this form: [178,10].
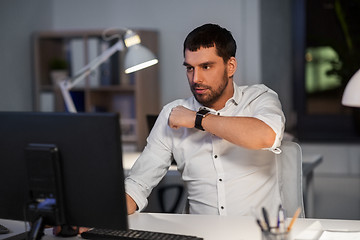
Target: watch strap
[199,117]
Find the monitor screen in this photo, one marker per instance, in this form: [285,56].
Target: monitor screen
[86,150]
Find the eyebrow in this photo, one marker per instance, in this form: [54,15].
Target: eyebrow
[201,64]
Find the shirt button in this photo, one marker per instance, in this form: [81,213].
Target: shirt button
[215,156]
[222,207]
[220,179]
[218,114]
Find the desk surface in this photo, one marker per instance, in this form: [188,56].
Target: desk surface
[223,227]
[205,226]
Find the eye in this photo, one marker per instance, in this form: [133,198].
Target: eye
[206,67]
[189,69]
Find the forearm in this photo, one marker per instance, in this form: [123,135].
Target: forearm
[247,132]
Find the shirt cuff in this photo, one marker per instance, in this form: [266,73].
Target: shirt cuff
[279,131]
[131,189]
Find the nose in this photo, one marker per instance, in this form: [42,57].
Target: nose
[197,76]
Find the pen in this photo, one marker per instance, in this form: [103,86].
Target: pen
[266,219]
[257,219]
[296,215]
[260,225]
[281,220]
[278,217]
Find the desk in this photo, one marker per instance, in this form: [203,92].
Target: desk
[209,227]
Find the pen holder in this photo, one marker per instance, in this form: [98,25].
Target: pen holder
[275,235]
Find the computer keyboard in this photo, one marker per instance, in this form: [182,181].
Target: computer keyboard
[132,234]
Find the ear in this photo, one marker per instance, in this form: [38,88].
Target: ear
[231,66]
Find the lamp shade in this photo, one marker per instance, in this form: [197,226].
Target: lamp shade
[137,58]
[351,96]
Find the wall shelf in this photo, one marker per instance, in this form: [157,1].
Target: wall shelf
[108,89]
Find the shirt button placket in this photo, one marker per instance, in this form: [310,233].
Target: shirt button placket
[221,204]
[221,189]
[220,178]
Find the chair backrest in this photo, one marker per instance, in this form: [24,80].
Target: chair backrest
[289,169]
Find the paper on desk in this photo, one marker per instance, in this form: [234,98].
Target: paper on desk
[311,233]
[339,235]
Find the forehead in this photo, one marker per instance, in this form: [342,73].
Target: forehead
[202,55]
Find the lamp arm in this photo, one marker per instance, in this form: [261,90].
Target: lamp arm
[68,84]
[69,103]
[86,70]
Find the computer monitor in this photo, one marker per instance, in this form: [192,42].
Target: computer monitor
[72,159]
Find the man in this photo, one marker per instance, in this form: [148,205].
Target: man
[223,138]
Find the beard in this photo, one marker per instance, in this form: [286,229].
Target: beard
[210,98]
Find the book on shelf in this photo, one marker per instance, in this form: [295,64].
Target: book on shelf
[105,67]
[128,129]
[110,69]
[47,102]
[125,105]
[76,56]
[94,51]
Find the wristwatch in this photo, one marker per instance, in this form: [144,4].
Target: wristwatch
[202,113]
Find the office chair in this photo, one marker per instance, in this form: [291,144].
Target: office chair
[289,171]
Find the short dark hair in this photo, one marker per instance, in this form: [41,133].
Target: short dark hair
[211,35]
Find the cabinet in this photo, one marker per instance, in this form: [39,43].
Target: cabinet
[107,89]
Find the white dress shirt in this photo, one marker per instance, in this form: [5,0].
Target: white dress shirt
[221,177]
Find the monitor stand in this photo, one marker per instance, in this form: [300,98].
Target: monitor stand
[46,203]
[37,229]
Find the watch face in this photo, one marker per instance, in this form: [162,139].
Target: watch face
[203,111]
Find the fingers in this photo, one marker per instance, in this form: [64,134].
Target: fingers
[181,116]
[66,230]
[172,118]
[56,230]
[83,229]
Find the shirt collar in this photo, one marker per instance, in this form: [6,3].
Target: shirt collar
[237,95]
[235,99]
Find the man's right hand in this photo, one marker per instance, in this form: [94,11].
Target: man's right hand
[131,204]
[181,116]
[73,231]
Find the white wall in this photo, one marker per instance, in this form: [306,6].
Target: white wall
[18,19]
[173,20]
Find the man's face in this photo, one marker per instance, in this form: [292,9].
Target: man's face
[208,77]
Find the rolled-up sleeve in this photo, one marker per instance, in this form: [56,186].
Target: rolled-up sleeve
[267,108]
[152,164]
